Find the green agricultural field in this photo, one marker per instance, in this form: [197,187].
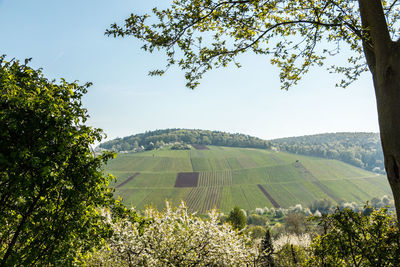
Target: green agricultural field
[223,177]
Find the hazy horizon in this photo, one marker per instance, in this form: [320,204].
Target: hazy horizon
[235,133]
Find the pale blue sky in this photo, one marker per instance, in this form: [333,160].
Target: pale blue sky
[66,39]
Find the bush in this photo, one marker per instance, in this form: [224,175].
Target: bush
[256,219]
[257,232]
[181,146]
[296,223]
[322,205]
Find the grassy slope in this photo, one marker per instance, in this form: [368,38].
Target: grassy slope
[229,176]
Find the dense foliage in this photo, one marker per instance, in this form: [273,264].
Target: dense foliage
[174,237]
[51,184]
[203,137]
[357,239]
[363,150]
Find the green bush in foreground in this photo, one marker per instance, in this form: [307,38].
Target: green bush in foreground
[355,239]
[51,184]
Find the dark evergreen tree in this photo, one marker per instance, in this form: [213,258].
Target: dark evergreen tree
[237,218]
[266,251]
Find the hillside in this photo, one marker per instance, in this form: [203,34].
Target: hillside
[363,150]
[224,177]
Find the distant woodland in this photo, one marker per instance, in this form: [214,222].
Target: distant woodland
[155,139]
[359,149]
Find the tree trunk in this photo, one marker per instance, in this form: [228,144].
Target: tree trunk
[383,58]
[387,89]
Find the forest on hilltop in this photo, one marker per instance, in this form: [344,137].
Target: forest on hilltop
[363,150]
[157,138]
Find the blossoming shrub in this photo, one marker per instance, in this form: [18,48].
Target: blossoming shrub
[175,237]
[301,240]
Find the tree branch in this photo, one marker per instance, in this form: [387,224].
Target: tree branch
[273,27]
[390,8]
[180,34]
[373,19]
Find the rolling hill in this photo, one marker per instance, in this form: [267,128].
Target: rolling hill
[222,177]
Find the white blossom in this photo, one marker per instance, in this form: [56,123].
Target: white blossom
[175,237]
[317,213]
[303,240]
[259,211]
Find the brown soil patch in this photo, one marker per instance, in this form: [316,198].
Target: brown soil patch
[187,179]
[200,147]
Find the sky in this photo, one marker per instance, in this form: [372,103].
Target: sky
[66,39]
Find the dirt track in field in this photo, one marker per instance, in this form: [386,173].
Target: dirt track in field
[270,198]
[128,180]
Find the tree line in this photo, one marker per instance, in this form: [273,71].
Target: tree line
[157,138]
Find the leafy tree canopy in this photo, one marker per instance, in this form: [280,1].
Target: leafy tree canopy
[51,184]
[212,33]
[353,239]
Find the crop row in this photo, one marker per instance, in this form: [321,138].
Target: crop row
[203,199]
[194,198]
[212,198]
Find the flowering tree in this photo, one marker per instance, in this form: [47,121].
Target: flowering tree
[175,237]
